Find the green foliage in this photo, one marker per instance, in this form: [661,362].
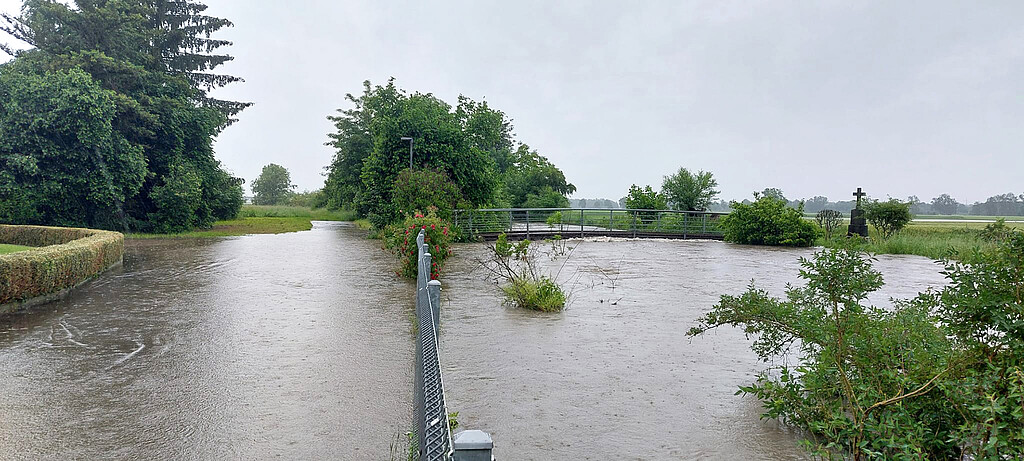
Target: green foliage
[768,221]
[401,241]
[67,257]
[645,199]
[690,191]
[889,217]
[177,200]
[983,309]
[532,181]
[515,264]
[273,186]
[867,379]
[307,199]
[829,221]
[937,377]
[422,189]
[472,144]
[61,161]
[109,113]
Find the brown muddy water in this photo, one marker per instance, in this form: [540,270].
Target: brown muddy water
[614,377]
[292,346]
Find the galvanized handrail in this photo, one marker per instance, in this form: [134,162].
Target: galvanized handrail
[580,222]
[434,435]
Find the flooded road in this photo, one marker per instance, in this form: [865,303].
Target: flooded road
[292,346]
[614,377]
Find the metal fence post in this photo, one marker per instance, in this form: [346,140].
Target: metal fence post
[527,224]
[611,219]
[434,296]
[581,222]
[473,445]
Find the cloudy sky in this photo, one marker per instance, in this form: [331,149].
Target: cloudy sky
[815,98]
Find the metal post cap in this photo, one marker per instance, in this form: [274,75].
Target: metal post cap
[434,282]
[473,440]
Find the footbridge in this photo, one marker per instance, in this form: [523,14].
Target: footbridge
[543,223]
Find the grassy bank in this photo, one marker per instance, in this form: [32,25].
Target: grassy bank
[7,248]
[930,239]
[257,219]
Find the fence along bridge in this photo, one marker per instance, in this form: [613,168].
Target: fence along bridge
[541,223]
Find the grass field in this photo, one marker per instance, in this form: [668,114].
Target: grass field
[931,239]
[5,248]
[257,219]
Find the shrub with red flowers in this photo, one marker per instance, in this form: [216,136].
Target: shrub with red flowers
[400,239]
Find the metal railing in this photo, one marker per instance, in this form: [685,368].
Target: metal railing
[583,222]
[435,439]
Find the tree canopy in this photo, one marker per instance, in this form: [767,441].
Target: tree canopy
[690,191]
[127,139]
[273,186]
[472,144]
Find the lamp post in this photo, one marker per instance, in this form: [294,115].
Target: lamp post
[406,138]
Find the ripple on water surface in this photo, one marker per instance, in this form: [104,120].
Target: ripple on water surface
[614,377]
[291,346]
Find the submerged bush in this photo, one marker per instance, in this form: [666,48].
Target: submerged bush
[542,294]
[515,264]
[768,221]
[401,241]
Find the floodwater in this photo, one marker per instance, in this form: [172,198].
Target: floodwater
[614,376]
[292,346]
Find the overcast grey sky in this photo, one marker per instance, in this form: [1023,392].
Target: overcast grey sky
[815,98]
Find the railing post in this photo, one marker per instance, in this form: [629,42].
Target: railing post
[434,297]
[634,226]
[527,224]
[704,225]
[581,222]
[473,445]
[686,216]
[611,219]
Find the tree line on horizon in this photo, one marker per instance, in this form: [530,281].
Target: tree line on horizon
[106,121]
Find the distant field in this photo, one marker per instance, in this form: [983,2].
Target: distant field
[262,219]
[5,248]
[281,211]
[931,239]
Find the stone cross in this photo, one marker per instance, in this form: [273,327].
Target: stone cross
[859,194]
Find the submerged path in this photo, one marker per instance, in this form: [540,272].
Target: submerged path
[291,346]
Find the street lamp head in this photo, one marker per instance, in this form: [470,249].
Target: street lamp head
[406,138]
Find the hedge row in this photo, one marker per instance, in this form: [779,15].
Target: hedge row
[66,257]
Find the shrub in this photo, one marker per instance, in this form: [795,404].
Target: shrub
[829,221]
[983,309]
[868,383]
[516,265]
[542,294]
[420,189]
[768,221]
[401,241]
[888,218]
[67,257]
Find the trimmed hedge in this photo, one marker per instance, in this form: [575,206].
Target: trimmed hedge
[65,258]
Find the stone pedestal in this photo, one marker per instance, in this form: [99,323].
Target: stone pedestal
[858,224]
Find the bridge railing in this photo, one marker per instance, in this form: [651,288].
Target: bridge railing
[581,222]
